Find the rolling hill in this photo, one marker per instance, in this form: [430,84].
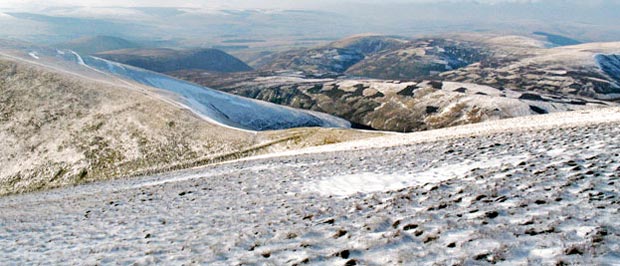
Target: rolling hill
[586,69]
[96,44]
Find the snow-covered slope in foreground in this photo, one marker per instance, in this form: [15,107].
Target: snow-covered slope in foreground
[535,191]
[215,106]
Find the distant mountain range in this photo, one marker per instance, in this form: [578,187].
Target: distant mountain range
[399,84]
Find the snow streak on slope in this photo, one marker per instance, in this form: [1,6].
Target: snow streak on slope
[610,64]
[224,108]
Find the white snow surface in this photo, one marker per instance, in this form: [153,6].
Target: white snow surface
[538,191]
[34,55]
[517,124]
[367,182]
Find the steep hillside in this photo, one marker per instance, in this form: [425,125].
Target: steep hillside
[226,109]
[610,64]
[317,61]
[96,44]
[62,124]
[214,106]
[59,130]
[419,59]
[167,60]
[332,59]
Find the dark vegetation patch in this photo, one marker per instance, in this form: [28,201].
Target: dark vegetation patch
[408,91]
[461,90]
[431,109]
[532,97]
[538,110]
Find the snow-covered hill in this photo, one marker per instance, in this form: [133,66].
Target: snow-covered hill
[539,190]
[224,108]
[66,123]
[588,70]
[219,107]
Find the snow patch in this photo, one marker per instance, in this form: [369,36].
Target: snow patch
[556,152]
[546,253]
[34,55]
[344,185]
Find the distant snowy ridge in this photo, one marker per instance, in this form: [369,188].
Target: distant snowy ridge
[214,106]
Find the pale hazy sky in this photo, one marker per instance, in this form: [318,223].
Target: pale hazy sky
[24,4]
[216,3]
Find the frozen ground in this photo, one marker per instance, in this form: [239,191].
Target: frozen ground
[536,191]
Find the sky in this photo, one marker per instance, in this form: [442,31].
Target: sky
[228,3]
[166,3]
[580,19]
[29,4]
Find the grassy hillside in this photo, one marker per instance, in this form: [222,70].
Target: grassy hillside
[58,130]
